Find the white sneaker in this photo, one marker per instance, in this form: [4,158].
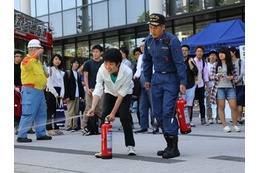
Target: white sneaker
[131,151]
[210,121]
[226,129]
[98,155]
[236,128]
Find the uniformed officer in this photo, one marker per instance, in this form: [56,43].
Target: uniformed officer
[163,52]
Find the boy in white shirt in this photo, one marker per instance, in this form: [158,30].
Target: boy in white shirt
[117,79]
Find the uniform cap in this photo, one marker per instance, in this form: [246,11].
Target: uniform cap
[156,19]
[34,43]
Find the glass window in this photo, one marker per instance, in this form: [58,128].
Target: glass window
[135,11]
[66,4]
[201,25]
[33,8]
[100,20]
[69,22]
[227,2]
[69,50]
[184,31]
[83,50]
[43,18]
[196,5]
[181,6]
[112,42]
[93,1]
[42,7]
[84,19]
[128,41]
[57,49]
[56,25]
[210,3]
[17,5]
[183,21]
[208,16]
[116,13]
[54,5]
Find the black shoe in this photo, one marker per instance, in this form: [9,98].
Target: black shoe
[44,138]
[156,130]
[141,131]
[23,140]
[172,150]
[31,131]
[77,129]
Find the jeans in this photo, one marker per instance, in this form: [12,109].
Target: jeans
[33,110]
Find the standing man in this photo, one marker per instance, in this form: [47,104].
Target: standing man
[191,71]
[33,100]
[163,52]
[90,74]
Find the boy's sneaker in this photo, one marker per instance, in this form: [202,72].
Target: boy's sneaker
[236,128]
[85,132]
[218,122]
[131,151]
[226,129]
[77,129]
[98,155]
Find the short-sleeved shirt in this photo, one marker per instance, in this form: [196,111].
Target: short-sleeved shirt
[92,67]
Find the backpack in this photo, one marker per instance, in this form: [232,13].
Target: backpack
[92,125]
[198,78]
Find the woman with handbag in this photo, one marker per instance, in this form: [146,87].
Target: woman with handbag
[54,94]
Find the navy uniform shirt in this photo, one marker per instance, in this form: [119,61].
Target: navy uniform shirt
[165,55]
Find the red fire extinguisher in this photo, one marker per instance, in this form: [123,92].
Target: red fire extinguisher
[106,140]
[183,115]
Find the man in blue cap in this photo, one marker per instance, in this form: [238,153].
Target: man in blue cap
[163,52]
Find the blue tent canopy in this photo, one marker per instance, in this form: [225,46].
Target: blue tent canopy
[216,35]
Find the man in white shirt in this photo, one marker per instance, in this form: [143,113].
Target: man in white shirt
[117,79]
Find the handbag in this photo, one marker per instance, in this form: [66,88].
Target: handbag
[60,114]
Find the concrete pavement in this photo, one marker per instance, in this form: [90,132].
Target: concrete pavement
[206,149]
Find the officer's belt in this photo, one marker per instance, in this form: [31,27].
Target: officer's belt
[164,72]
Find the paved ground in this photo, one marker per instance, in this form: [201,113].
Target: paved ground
[207,149]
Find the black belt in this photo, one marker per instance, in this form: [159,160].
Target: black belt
[164,72]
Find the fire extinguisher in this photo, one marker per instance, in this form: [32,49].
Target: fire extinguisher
[106,140]
[183,115]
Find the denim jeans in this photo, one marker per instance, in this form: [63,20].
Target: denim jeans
[33,110]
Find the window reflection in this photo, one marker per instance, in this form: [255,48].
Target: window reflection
[54,5]
[69,50]
[112,42]
[135,11]
[100,20]
[42,7]
[115,8]
[182,6]
[56,25]
[184,31]
[83,50]
[66,4]
[69,22]
[33,8]
[84,19]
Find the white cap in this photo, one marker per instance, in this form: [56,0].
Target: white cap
[34,43]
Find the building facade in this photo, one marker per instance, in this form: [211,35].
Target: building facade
[77,25]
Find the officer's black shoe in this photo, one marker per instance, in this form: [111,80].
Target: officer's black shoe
[141,131]
[44,138]
[23,140]
[160,153]
[173,150]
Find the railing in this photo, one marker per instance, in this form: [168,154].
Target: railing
[30,25]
